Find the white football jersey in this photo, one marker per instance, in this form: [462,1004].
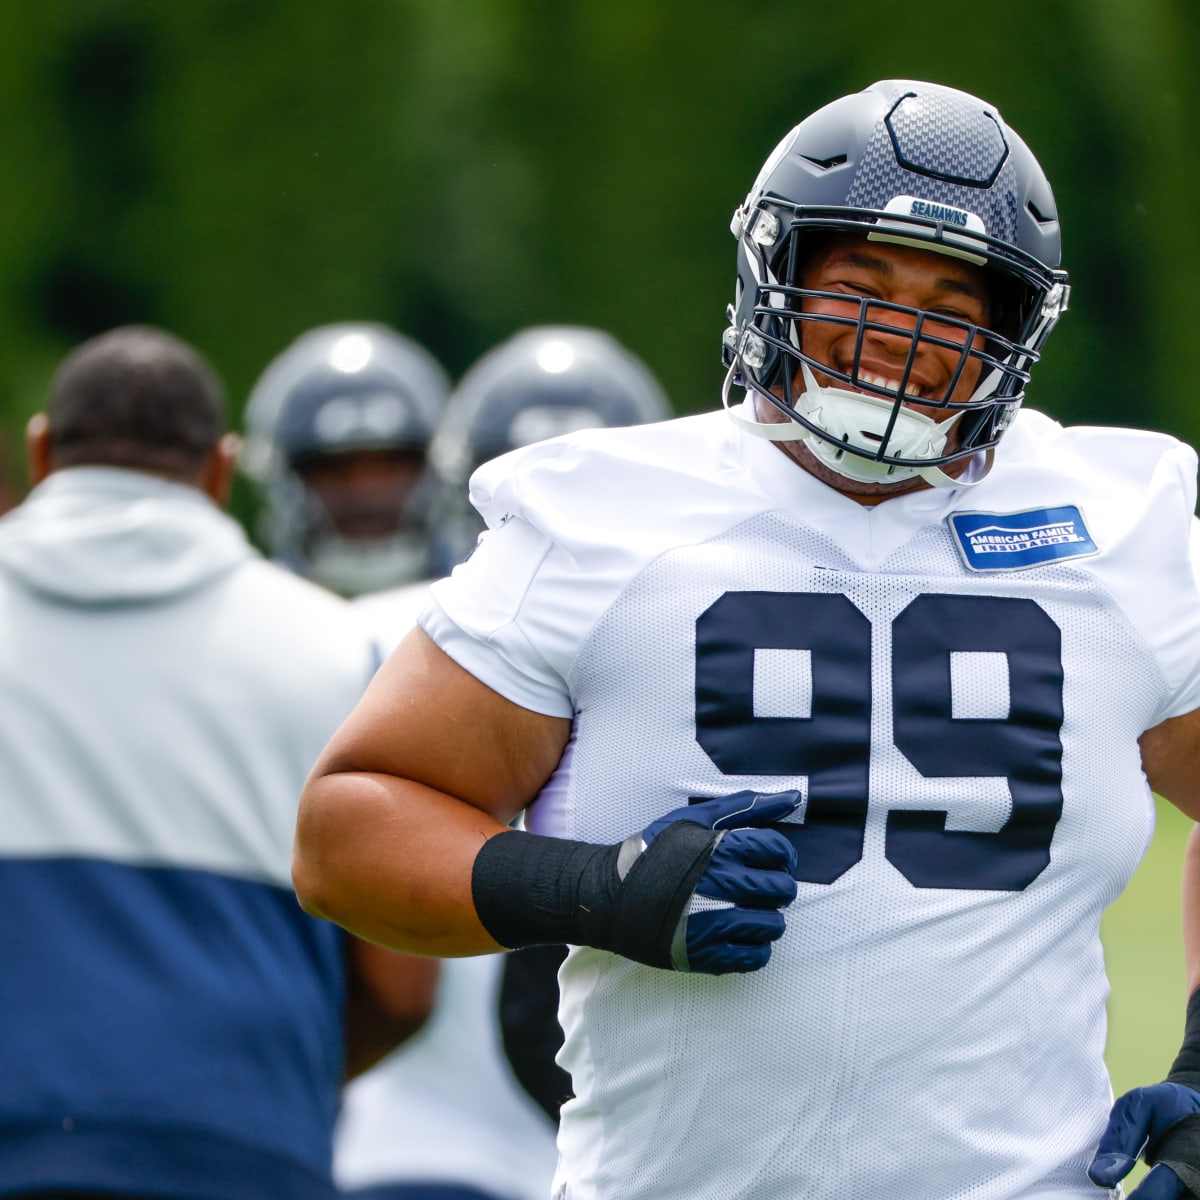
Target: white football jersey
[955,680]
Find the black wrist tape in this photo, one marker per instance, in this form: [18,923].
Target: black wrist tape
[531,890]
[1179,1146]
[1186,1067]
[538,891]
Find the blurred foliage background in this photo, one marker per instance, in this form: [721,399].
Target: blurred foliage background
[238,171]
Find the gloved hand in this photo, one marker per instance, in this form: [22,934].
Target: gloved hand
[732,915]
[1160,1124]
[699,889]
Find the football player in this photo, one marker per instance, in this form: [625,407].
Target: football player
[834,717]
[337,429]
[541,382]
[454,1091]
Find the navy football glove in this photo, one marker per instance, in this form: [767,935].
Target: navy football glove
[697,890]
[731,917]
[1162,1125]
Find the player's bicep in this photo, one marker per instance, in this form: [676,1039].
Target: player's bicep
[426,719]
[1171,760]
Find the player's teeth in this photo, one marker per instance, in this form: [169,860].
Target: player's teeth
[912,390]
[879,381]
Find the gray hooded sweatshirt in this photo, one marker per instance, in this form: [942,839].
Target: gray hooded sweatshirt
[168,1008]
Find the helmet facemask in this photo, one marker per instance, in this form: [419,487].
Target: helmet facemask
[339,393]
[366,519]
[855,423]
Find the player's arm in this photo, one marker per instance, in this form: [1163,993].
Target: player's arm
[1171,760]
[1161,1123]
[1191,909]
[429,765]
[402,838]
[389,997]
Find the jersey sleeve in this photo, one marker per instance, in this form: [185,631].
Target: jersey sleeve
[484,617]
[1170,557]
[571,521]
[1189,690]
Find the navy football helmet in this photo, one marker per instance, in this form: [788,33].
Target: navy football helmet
[541,382]
[914,164]
[342,395]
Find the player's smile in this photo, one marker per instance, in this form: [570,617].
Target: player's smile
[894,275]
[870,381]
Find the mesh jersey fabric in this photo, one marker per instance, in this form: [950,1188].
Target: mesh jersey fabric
[932,1023]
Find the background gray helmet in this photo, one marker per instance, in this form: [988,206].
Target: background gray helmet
[338,389]
[918,164]
[541,382]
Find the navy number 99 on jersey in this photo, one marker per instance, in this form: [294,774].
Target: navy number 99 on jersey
[832,744]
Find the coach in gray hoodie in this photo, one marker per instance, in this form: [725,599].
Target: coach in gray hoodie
[172,1022]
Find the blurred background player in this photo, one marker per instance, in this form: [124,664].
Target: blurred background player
[542,382]
[173,1023]
[442,1117]
[337,429]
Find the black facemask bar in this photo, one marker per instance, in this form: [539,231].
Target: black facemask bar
[968,342]
[769,349]
[780,332]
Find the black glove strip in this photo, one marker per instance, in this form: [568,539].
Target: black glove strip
[1187,1173]
[531,890]
[1186,1067]
[1179,1149]
[656,892]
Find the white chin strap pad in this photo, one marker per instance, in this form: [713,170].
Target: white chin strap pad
[851,418]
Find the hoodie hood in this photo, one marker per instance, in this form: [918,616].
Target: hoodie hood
[102,535]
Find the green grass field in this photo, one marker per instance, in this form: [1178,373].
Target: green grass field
[1144,951]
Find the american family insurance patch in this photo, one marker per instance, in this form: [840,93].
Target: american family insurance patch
[1015,541]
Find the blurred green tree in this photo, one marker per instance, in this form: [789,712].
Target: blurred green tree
[240,170]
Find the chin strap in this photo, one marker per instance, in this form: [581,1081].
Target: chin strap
[793,431]
[975,472]
[771,431]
